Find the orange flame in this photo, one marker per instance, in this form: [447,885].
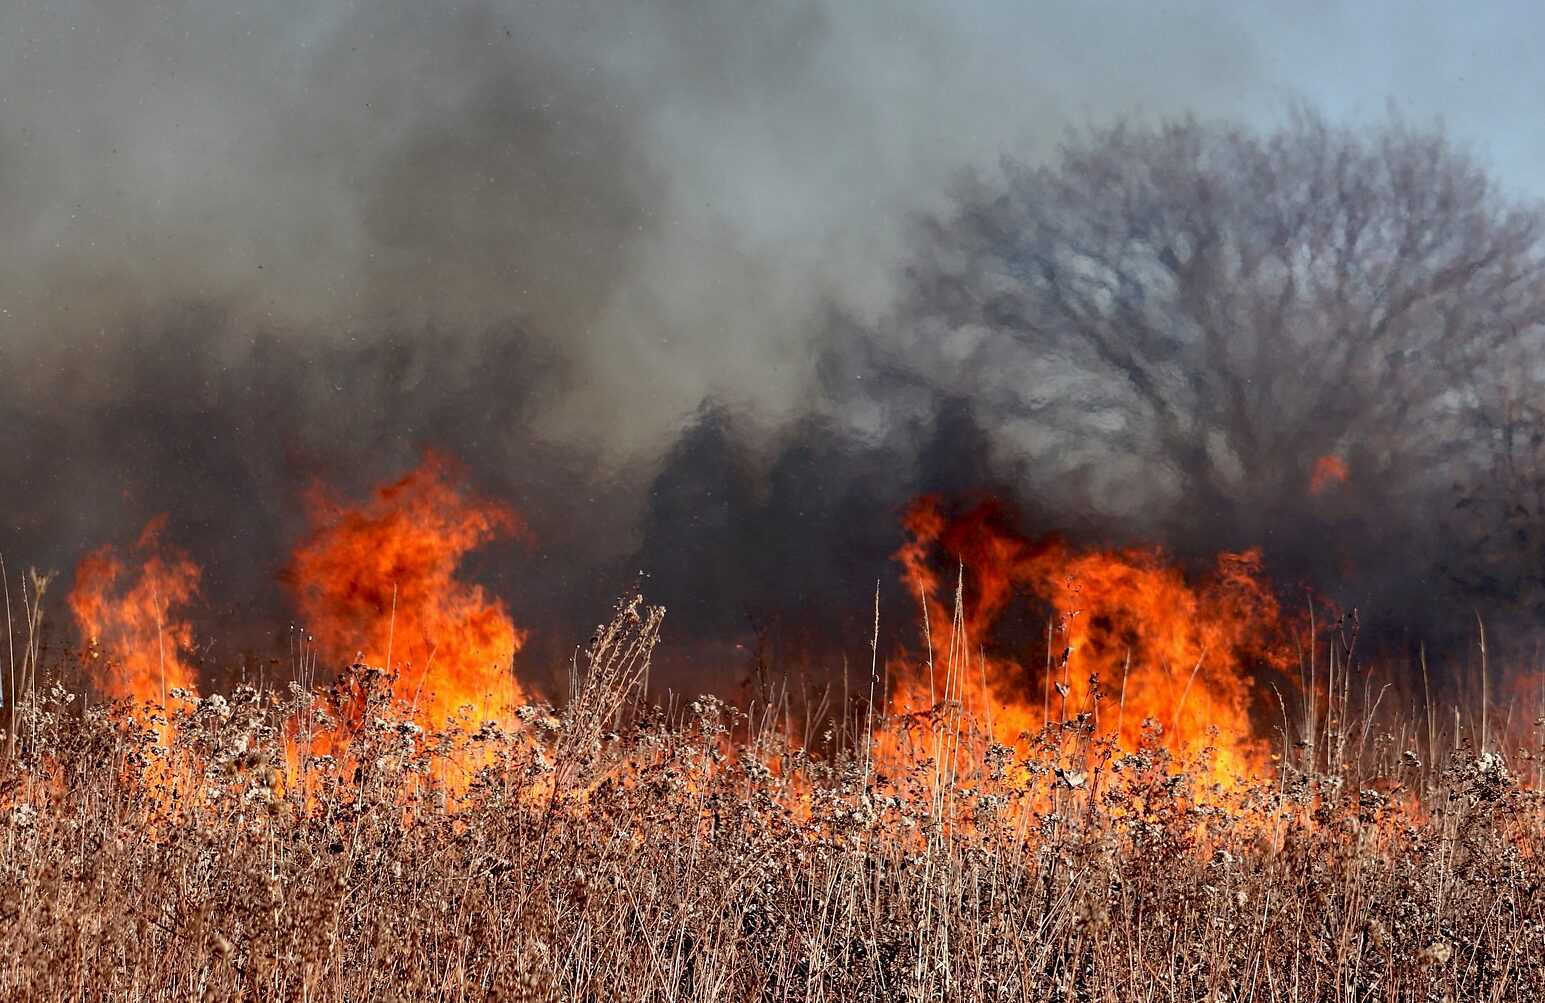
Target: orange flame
[137,647]
[1163,650]
[1330,471]
[380,579]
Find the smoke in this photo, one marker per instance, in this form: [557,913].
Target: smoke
[661,193]
[252,246]
[621,260]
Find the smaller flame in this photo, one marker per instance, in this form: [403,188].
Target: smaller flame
[1330,471]
[137,645]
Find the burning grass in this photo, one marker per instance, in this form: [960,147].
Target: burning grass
[609,848]
[1113,824]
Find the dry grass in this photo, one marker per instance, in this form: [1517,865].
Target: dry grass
[613,850]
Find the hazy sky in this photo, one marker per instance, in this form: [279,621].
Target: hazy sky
[668,193]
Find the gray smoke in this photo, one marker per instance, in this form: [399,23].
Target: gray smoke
[662,193]
[612,256]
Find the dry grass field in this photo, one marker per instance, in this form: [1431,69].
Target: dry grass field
[1094,458]
[318,844]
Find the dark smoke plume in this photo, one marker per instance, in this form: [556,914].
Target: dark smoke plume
[249,248]
[644,271]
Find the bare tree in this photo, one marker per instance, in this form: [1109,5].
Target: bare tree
[1224,309]
[1497,519]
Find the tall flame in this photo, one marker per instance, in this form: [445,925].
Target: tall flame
[380,579]
[1166,652]
[138,646]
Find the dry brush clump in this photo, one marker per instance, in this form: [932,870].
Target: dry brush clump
[320,845]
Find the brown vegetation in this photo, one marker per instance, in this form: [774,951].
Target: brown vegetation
[610,849]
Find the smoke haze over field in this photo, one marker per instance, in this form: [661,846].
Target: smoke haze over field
[618,259]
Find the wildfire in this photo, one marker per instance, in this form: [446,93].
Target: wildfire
[1166,653]
[1132,644]
[137,643]
[380,579]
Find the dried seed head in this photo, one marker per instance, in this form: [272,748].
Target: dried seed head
[1437,953]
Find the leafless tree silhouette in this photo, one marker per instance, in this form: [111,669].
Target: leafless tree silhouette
[1222,308]
[1497,517]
